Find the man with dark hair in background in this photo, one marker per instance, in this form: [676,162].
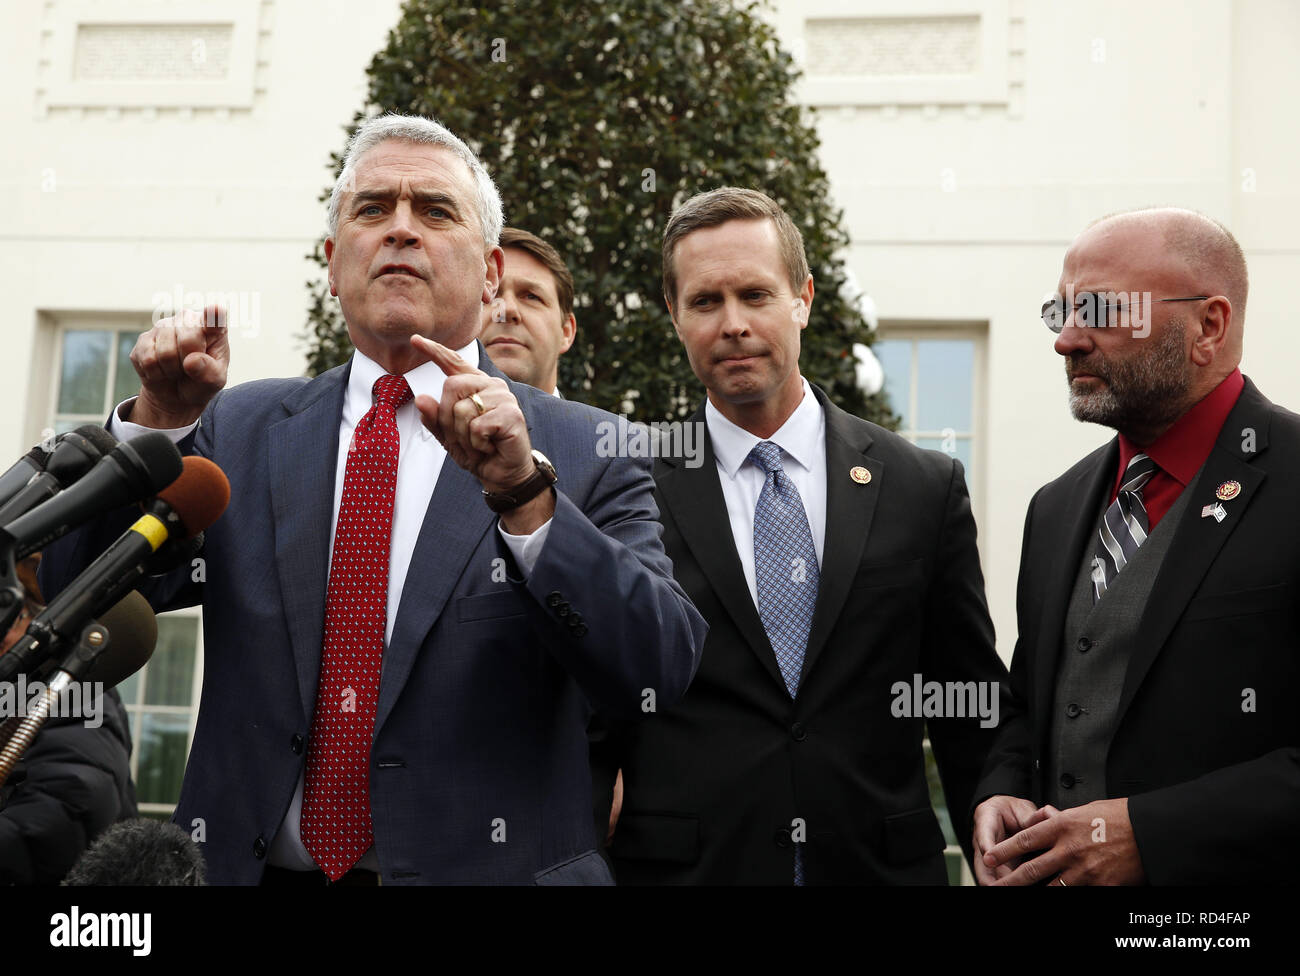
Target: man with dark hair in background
[530,323]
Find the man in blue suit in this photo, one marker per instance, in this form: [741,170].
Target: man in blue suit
[424,574]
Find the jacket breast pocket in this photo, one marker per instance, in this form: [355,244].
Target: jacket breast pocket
[874,575]
[489,606]
[1239,603]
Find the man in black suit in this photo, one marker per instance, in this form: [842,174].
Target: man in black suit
[836,565]
[1158,644]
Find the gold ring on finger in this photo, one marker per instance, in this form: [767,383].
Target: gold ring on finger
[478,403]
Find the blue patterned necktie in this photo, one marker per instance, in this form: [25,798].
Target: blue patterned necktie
[785,573]
[1124,527]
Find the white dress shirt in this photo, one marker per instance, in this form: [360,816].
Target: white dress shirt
[802,438]
[419,462]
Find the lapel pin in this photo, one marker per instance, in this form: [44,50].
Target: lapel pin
[1217,510]
[860,474]
[1227,491]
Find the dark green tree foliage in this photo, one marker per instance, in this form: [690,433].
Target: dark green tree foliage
[595,119]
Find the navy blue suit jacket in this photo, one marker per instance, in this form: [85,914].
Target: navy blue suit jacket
[479,763]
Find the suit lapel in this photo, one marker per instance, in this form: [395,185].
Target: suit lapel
[1197,540]
[302,458]
[453,528]
[1083,496]
[850,507]
[694,498]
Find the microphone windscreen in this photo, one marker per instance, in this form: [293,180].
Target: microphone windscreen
[152,461]
[140,852]
[100,439]
[199,495]
[132,635]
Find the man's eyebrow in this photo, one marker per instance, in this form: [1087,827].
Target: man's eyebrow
[421,197]
[531,285]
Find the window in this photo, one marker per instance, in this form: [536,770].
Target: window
[933,375]
[92,373]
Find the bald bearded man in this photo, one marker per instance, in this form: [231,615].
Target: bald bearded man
[1159,644]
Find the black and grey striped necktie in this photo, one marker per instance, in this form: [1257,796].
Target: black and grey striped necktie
[1124,527]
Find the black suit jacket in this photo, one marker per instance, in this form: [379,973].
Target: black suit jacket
[1205,744]
[713,785]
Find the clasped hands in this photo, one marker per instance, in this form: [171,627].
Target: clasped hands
[1017,843]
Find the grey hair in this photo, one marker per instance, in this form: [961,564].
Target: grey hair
[417,129]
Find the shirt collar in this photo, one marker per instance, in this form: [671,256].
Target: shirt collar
[802,434]
[1183,448]
[426,379]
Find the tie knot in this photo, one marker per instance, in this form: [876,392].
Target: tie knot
[1138,473]
[767,456]
[392,391]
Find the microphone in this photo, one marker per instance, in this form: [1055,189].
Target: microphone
[133,634]
[140,852]
[185,508]
[24,469]
[134,470]
[76,453]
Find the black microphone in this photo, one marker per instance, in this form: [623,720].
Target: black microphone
[140,852]
[134,470]
[24,469]
[75,455]
[185,508]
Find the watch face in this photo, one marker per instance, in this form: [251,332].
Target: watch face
[544,463]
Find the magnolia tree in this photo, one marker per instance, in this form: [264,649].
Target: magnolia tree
[596,119]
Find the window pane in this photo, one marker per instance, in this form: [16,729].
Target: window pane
[85,372]
[895,357]
[129,689]
[163,743]
[125,383]
[171,669]
[945,369]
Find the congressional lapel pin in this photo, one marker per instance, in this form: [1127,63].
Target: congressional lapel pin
[1227,491]
[860,474]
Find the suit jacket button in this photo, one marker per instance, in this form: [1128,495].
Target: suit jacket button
[553,599]
[1084,644]
[782,838]
[798,731]
[296,744]
[1072,710]
[562,609]
[259,847]
[580,630]
[1067,781]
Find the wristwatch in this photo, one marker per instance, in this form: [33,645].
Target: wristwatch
[542,478]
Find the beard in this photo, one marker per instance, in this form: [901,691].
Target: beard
[1143,393]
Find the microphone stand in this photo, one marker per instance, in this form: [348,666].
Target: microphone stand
[94,640]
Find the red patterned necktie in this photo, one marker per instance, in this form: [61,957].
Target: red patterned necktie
[336,827]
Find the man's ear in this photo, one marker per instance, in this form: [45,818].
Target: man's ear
[495,260]
[804,300]
[329,264]
[568,332]
[1212,331]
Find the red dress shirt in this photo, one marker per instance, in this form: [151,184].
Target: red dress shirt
[1181,450]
